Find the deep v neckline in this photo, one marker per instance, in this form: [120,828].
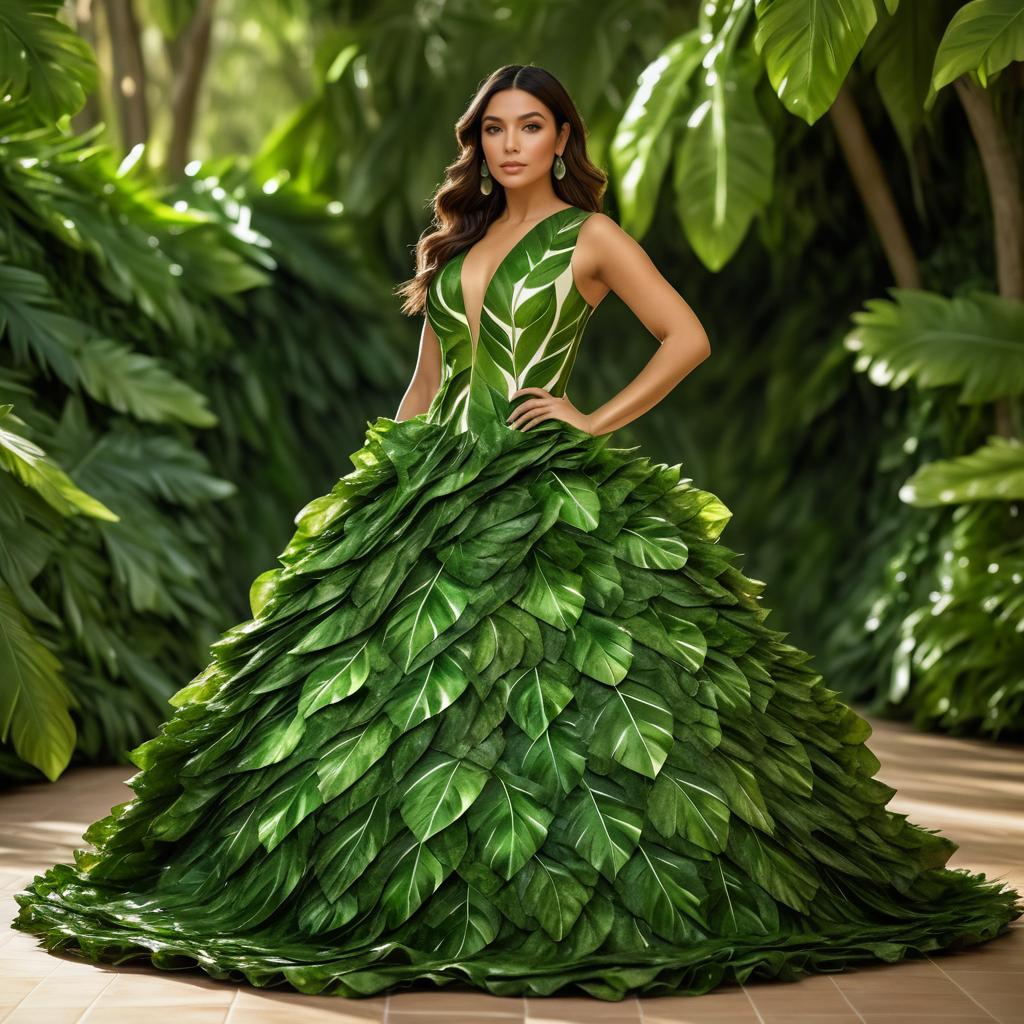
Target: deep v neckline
[474,342]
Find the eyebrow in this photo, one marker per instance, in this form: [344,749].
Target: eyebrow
[532,113]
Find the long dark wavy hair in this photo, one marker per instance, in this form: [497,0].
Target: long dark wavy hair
[462,213]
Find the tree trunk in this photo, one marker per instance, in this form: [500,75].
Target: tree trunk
[129,73]
[91,113]
[870,181]
[189,59]
[1003,178]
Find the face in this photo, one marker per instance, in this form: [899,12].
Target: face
[519,138]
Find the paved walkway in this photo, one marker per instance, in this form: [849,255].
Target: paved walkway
[971,791]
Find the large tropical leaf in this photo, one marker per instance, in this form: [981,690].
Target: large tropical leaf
[439,789]
[995,472]
[723,172]
[34,699]
[635,728]
[42,61]
[641,150]
[30,464]
[808,46]
[984,36]
[974,341]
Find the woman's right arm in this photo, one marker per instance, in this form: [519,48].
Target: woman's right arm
[427,377]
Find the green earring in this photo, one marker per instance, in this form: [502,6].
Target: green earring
[559,167]
[486,184]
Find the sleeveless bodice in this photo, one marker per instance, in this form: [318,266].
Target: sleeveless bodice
[531,322]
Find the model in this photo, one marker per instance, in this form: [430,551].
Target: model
[508,713]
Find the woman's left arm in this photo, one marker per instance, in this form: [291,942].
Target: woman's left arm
[606,255]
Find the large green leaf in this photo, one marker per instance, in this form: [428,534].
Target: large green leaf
[642,147]
[439,789]
[139,385]
[651,542]
[509,822]
[634,727]
[664,889]
[723,172]
[581,506]
[30,464]
[433,604]
[34,699]
[984,36]
[689,805]
[536,696]
[808,46]
[416,876]
[600,647]
[974,341]
[554,895]
[42,61]
[603,828]
[461,921]
[551,593]
[427,691]
[995,472]
[352,754]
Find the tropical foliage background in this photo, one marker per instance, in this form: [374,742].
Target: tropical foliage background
[206,204]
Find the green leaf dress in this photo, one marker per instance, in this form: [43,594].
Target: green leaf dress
[508,715]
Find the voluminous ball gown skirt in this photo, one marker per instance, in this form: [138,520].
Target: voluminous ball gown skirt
[508,714]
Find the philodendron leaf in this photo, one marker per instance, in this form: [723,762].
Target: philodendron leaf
[995,472]
[724,169]
[809,46]
[440,789]
[984,36]
[31,465]
[642,147]
[974,341]
[34,699]
[635,727]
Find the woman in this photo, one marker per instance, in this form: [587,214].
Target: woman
[507,714]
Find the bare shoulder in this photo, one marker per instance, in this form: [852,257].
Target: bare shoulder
[598,240]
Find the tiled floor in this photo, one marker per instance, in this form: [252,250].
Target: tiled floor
[971,791]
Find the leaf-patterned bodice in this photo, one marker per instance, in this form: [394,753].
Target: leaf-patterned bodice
[531,322]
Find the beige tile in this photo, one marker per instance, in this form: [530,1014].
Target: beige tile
[573,1008]
[53,1015]
[977,983]
[448,1001]
[812,994]
[582,1017]
[186,1013]
[1003,954]
[812,1018]
[427,1017]
[260,1006]
[152,989]
[939,1004]
[1003,1007]
[66,990]
[726,1003]
[918,1018]
[281,1013]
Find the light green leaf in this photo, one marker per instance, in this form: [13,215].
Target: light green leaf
[995,472]
[422,615]
[440,789]
[661,887]
[642,147]
[690,805]
[984,36]
[601,648]
[651,542]
[29,463]
[34,699]
[635,728]
[604,829]
[426,692]
[536,696]
[974,341]
[809,46]
[509,822]
[581,506]
[551,593]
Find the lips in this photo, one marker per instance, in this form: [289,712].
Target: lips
[512,165]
